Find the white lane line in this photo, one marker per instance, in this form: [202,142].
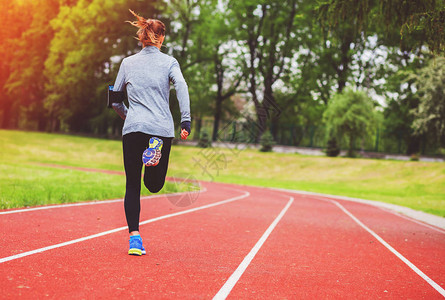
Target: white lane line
[9,258]
[424,217]
[91,203]
[394,251]
[233,279]
[413,220]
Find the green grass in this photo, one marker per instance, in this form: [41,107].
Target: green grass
[25,182]
[417,185]
[35,185]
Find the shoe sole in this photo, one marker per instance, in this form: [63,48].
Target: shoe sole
[135,251]
[159,143]
[152,161]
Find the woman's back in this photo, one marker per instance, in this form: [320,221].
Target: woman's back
[147,77]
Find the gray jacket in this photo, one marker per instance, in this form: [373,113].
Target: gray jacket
[146,76]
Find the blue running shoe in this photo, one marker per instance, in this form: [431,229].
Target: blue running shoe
[155,143]
[136,245]
[152,154]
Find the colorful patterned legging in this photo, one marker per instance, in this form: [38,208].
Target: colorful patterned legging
[134,144]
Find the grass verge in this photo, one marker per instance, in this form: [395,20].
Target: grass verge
[23,182]
[418,185]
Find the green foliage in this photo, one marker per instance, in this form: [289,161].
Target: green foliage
[26,83]
[269,30]
[55,66]
[190,40]
[430,115]
[266,142]
[82,58]
[398,118]
[412,17]
[14,20]
[350,114]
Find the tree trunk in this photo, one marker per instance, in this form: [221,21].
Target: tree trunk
[41,123]
[217,117]
[343,68]
[252,89]
[275,127]
[219,71]
[413,145]
[55,124]
[39,114]
[6,115]
[351,146]
[198,129]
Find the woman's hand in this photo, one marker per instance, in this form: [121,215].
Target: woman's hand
[185,129]
[184,134]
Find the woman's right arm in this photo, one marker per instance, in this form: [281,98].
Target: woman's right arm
[119,86]
[182,93]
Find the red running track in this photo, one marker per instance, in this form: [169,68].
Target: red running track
[235,241]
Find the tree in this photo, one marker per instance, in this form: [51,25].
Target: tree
[90,40]
[401,58]
[182,16]
[350,114]
[268,29]
[200,80]
[430,115]
[423,18]
[14,20]
[203,38]
[323,62]
[332,149]
[222,30]
[400,101]
[26,83]
[191,40]
[222,93]
[383,24]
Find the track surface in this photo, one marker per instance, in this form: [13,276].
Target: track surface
[235,241]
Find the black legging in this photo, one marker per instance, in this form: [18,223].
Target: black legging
[134,144]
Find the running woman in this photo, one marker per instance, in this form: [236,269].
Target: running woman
[148,128]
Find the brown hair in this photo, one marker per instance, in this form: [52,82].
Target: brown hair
[150,30]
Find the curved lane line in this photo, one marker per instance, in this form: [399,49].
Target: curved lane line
[233,279]
[40,250]
[419,217]
[394,251]
[412,220]
[92,203]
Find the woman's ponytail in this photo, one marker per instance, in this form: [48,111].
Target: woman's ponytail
[150,30]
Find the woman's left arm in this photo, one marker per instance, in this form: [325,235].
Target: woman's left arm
[119,85]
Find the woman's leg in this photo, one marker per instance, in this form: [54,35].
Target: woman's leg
[154,177]
[133,145]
